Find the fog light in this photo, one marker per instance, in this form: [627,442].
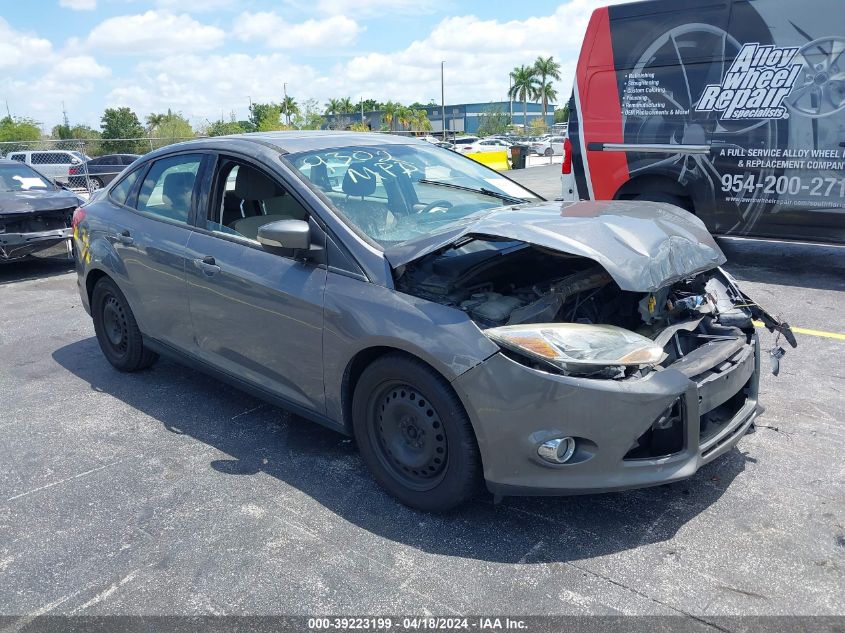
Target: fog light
[557,451]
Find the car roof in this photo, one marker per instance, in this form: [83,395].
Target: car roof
[305,140]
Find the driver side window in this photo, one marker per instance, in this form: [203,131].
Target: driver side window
[247,199]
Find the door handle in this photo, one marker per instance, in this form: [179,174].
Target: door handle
[207,265]
[125,238]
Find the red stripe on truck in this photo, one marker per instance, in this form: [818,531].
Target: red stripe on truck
[601,111]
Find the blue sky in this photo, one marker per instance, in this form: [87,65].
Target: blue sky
[207,58]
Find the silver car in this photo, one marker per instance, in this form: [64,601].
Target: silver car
[461,328]
[53,163]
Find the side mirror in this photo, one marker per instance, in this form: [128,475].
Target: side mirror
[287,234]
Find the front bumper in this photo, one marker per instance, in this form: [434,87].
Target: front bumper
[18,245]
[514,409]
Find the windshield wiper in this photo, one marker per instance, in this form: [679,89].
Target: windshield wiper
[482,190]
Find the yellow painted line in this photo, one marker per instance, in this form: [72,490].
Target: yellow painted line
[801,330]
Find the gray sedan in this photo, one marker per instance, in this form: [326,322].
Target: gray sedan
[461,328]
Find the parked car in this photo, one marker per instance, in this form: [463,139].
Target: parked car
[553,146]
[735,113]
[53,163]
[100,171]
[459,326]
[485,145]
[461,141]
[35,213]
[445,145]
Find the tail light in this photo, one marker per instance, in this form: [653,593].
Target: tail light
[78,216]
[73,171]
[566,166]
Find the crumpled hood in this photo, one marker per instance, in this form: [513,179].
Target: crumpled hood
[642,245]
[36,200]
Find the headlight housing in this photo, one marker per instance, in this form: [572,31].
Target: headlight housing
[579,348]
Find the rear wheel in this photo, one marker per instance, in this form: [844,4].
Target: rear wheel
[116,329]
[548,152]
[657,196]
[414,434]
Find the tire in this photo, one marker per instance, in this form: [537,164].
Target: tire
[657,196]
[95,183]
[414,434]
[548,151]
[116,329]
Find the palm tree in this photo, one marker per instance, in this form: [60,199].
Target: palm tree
[421,122]
[154,121]
[345,105]
[524,87]
[549,95]
[390,113]
[405,116]
[546,68]
[333,106]
[289,108]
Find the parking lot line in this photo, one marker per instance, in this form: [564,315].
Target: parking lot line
[808,332]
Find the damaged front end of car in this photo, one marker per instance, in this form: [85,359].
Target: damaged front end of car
[29,232]
[642,356]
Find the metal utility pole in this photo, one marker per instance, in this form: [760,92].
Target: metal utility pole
[443,100]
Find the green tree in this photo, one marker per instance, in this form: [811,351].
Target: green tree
[266,116]
[223,128]
[289,108]
[168,128]
[405,116]
[562,114]
[370,105]
[390,111]
[420,122]
[546,68]
[345,106]
[332,106]
[524,86]
[122,124]
[494,120]
[309,116]
[18,129]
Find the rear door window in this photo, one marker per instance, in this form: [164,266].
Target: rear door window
[168,188]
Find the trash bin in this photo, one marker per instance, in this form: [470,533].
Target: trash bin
[518,153]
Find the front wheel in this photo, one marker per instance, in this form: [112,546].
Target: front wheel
[414,434]
[548,152]
[116,329]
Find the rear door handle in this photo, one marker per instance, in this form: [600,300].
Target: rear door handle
[207,265]
[125,238]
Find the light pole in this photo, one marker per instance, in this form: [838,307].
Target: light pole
[443,100]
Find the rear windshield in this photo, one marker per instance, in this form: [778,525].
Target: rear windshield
[21,178]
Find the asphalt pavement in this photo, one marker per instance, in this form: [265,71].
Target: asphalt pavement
[168,492]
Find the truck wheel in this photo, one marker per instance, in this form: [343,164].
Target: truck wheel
[116,329]
[414,434]
[668,198]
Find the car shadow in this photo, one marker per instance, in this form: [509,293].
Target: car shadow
[34,268]
[819,266]
[325,465]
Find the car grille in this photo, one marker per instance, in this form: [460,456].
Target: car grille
[36,221]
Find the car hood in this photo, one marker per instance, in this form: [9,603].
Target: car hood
[28,201]
[642,245]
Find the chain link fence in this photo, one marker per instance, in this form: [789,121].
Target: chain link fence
[83,165]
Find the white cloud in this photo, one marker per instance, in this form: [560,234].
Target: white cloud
[206,87]
[196,6]
[379,8]
[79,5]
[275,32]
[479,55]
[153,33]
[68,80]
[20,50]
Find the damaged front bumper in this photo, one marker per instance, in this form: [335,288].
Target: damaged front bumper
[18,245]
[628,434]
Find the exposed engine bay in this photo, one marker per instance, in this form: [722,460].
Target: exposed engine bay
[506,283]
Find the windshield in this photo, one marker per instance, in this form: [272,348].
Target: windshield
[397,193]
[21,178]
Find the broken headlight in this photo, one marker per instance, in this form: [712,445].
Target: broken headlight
[579,348]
